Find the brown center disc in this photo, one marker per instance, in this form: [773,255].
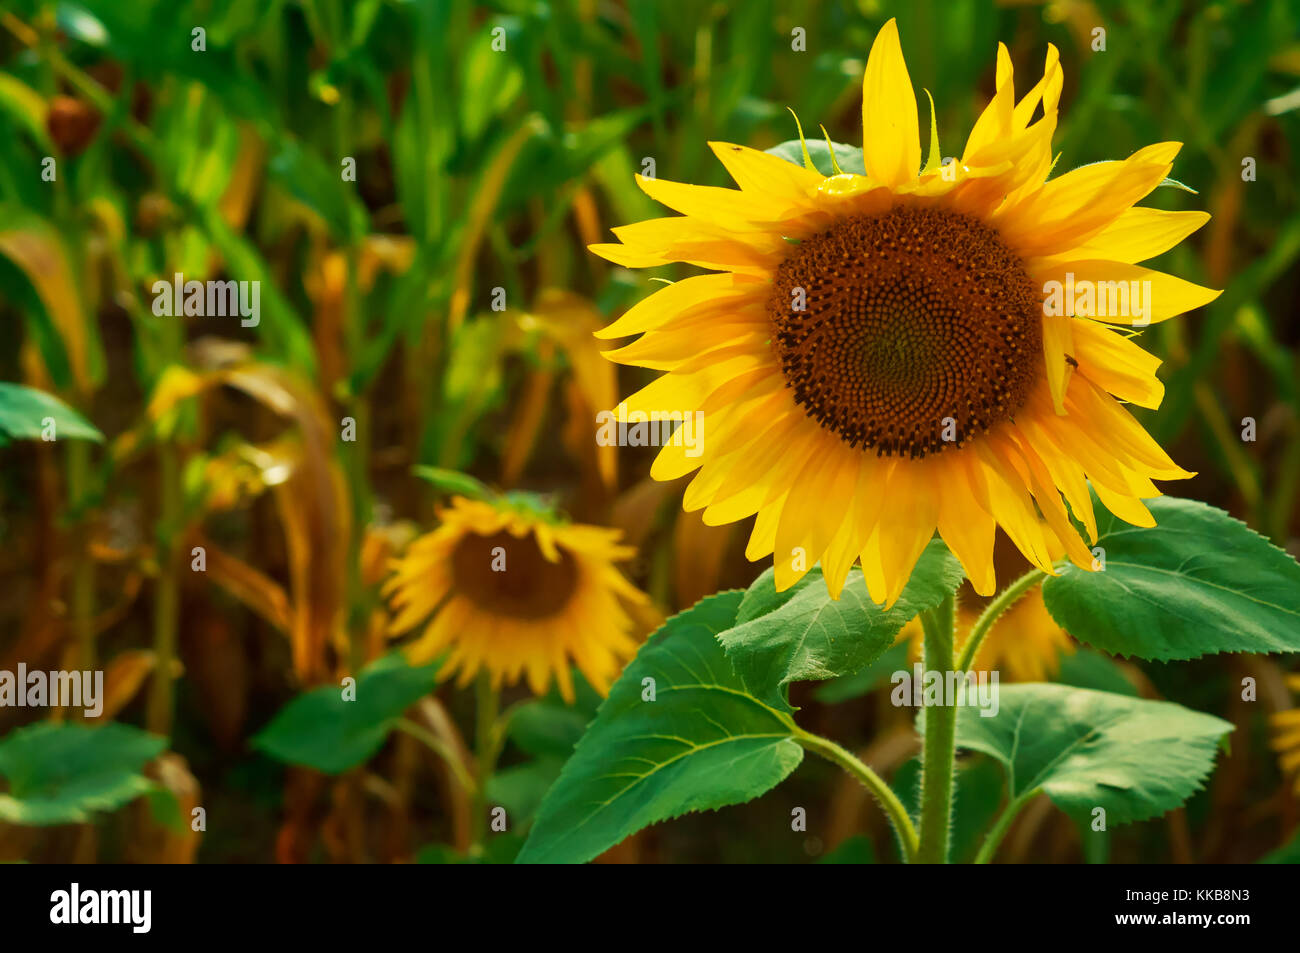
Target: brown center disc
[529,586]
[919,330]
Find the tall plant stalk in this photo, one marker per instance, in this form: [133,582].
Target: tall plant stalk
[939,752]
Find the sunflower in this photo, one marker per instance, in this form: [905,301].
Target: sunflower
[881,355]
[1286,737]
[515,591]
[1026,645]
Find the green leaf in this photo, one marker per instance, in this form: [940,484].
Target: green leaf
[321,730]
[521,788]
[495,84]
[1134,757]
[320,187]
[26,106]
[60,773]
[848,157]
[704,742]
[857,849]
[499,848]
[1085,668]
[1197,583]
[1288,853]
[453,481]
[865,680]
[24,409]
[802,634]
[472,386]
[550,727]
[165,808]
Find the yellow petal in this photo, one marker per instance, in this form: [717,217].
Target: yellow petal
[1013,506]
[891,136]
[1118,424]
[664,350]
[1127,508]
[966,529]
[698,295]
[994,123]
[1065,472]
[1120,294]
[1058,343]
[907,522]
[710,202]
[659,241]
[1117,363]
[767,175]
[1139,234]
[762,539]
[1073,207]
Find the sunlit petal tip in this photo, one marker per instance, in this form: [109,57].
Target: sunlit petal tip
[835,583]
[786,576]
[891,140]
[1005,72]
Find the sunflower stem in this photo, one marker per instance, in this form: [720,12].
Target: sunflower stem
[486,748]
[881,791]
[1005,599]
[939,749]
[999,830]
[160,707]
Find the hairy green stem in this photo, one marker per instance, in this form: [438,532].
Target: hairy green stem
[993,611]
[881,791]
[939,749]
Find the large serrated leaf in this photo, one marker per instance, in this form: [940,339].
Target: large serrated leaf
[324,731]
[704,742]
[61,773]
[804,635]
[1133,757]
[1197,583]
[849,158]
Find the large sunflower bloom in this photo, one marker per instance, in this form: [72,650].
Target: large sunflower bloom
[515,592]
[875,355]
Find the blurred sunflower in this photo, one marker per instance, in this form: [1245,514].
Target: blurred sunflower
[1026,645]
[1286,737]
[876,357]
[514,591]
